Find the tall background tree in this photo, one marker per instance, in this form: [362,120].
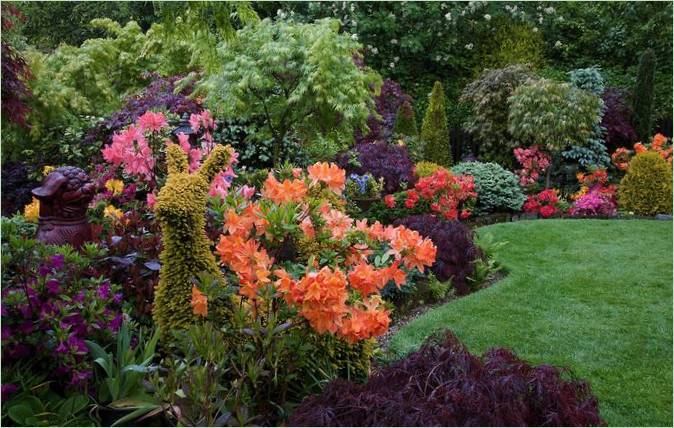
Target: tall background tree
[643,96]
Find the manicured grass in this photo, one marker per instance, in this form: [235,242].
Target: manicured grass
[591,295]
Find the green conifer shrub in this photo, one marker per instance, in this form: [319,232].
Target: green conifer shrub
[646,189]
[434,131]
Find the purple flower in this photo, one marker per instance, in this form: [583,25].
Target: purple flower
[44,270]
[117,298]
[3,310]
[61,348]
[77,345]
[80,377]
[57,261]
[80,297]
[116,323]
[104,291]
[26,327]
[7,389]
[6,332]
[53,287]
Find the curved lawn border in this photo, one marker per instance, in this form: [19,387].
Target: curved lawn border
[591,295]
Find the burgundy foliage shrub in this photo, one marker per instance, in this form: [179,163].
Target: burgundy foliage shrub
[390,161]
[616,120]
[158,95]
[15,72]
[386,104]
[442,384]
[457,251]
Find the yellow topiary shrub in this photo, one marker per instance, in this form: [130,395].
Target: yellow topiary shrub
[425,168]
[646,189]
[181,209]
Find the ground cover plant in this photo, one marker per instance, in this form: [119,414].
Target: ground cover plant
[589,307]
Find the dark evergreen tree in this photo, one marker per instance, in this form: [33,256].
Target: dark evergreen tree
[643,96]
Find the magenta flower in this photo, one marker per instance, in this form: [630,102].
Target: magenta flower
[52,286]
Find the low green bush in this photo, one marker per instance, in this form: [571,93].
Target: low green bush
[497,188]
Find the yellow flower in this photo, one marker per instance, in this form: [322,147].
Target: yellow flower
[32,211]
[115,186]
[47,169]
[113,213]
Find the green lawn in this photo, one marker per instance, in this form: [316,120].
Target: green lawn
[591,295]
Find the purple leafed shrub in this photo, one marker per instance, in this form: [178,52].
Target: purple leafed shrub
[616,120]
[457,252]
[386,104]
[392,162]
[158,95]
[16,187]
[442,384]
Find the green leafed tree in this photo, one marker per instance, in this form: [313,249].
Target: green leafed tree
[552,115]
[406,121]
[487,97]
[643,96]
[434,131]
[299,78]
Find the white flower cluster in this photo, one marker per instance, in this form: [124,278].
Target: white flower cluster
[373,49]
[558,44]
[469,46]
[487,17]
[448,16]
[549,10]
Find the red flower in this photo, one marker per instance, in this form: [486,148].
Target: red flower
[390,201]
[465,214]
[547,211]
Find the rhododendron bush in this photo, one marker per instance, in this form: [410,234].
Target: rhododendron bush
[443,193]
[534,164]
[660,144]
[546,203]
[335,286]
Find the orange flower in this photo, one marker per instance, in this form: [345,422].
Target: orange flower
[333,176]
[394,273]
[236,224]
[199,302]
[367,279]
[338,223]
[640,148]
[250,263]
[658,141]
[308,228]
[288,191]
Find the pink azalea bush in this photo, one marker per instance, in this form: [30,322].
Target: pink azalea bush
[138,152]
[534,164]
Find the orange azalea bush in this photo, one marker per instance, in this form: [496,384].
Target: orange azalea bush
[660,144]
[336,291]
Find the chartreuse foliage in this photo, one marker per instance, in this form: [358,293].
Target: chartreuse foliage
[181,209]
[591,295]
[425,168]
[300,78]
[552,115]
[434,132]
[643,96]
[646,189]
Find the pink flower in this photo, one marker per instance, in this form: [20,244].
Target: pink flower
[151,200]
[151,121]
[195,159]
[184,142]
[195,122]
[247,191]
